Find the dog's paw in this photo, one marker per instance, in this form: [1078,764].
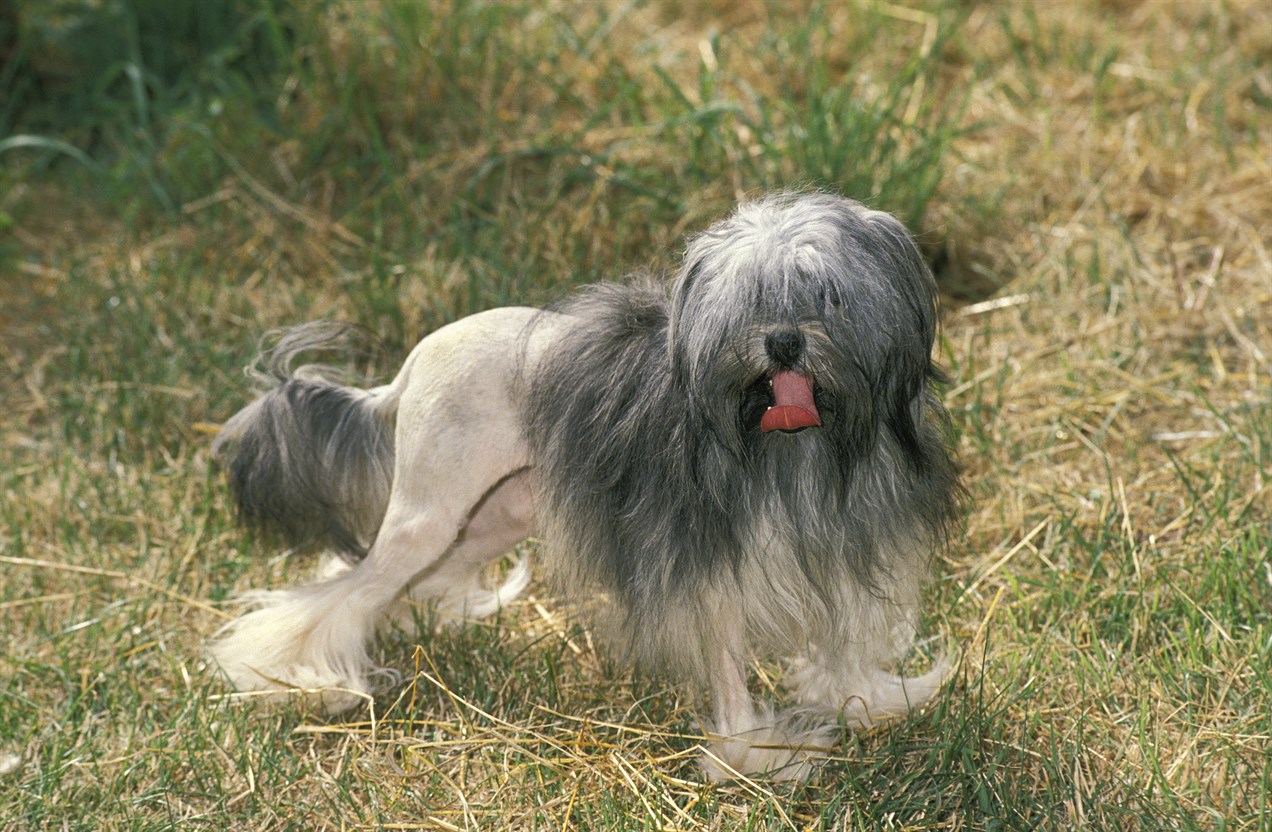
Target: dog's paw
[772,752]
[287,648]
[863,697]
[293,683]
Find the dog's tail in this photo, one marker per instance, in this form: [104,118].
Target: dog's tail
[311,459]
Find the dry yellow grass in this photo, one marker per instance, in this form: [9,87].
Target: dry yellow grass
[1131,342]
[1106,220]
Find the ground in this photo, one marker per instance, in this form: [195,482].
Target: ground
[1091,180]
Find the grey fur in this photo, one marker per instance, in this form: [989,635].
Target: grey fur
[657,487]
[310,459]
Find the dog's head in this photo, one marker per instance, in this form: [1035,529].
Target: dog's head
[805,312]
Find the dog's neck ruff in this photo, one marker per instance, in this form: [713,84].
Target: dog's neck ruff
[793,405]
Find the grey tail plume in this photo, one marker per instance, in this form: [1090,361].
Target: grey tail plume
[311,459]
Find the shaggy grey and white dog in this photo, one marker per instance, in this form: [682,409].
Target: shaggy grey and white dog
[749,462]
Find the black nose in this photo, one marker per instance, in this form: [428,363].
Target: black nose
[785,346]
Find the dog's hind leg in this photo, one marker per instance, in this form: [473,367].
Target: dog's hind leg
[314,638]
[460,459]
[502,518]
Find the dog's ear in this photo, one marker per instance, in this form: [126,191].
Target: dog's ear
[915,285]
[910,372]
[686,279]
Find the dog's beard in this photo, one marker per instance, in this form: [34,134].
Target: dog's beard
[656,488]
[812,492]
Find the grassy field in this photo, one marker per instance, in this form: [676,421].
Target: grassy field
[1091,179]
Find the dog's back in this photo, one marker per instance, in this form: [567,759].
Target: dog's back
[311,458]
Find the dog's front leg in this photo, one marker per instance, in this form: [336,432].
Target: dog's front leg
[860,694]
[747,740]
[852,677]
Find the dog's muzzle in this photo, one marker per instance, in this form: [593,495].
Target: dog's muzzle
[793,406]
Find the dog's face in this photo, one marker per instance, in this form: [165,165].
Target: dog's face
[808,315]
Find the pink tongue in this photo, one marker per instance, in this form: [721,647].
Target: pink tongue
[793,407]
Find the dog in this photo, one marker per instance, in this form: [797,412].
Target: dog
[749,459]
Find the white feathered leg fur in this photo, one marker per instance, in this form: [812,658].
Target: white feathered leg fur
[841,679]
[746,739]
[314,638]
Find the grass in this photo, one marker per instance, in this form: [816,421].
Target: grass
[1089,178]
